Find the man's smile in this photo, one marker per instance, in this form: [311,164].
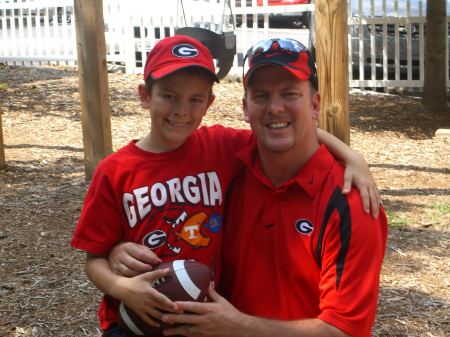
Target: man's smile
[278,125]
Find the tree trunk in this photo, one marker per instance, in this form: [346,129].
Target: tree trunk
[2,146]
[332,64]
[435,89]
[93,80]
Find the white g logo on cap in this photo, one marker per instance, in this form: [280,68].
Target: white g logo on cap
[184,50]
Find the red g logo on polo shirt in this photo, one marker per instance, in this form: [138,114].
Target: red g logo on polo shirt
[304,226]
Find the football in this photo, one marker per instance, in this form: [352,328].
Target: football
[187,280]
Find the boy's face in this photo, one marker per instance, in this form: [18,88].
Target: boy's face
[177,104]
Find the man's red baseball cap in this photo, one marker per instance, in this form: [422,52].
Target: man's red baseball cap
[178,52]
[284,52]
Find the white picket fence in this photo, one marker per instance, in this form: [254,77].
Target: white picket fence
[30,32]
[386,43]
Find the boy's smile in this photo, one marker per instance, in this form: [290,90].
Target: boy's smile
[177,124]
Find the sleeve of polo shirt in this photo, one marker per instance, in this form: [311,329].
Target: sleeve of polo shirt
[352,254]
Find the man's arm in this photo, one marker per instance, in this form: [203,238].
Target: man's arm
[357,171]
[220,319]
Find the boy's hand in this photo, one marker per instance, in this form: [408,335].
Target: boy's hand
[131,259]
[357,172]
[138,294]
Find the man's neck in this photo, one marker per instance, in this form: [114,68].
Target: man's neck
[279,167]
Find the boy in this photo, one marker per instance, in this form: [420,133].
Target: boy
[165,191]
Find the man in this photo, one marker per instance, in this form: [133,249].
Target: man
[299,257]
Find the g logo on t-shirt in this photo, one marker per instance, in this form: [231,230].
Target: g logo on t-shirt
[184,50]
[155,239]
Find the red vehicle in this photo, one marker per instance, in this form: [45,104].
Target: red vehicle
[279,19]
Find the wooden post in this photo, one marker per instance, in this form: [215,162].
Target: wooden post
[2,146]
[435,80]
[332,64]
[93,82]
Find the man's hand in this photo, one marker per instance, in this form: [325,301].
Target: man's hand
[220,319]
[131,259]
[213,319]
[357,172]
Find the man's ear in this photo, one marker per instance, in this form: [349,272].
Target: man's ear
[316,106]
[144,95]
[245,108]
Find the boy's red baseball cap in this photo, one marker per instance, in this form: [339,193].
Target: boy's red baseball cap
[175,53]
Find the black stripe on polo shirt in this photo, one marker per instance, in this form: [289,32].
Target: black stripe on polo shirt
[339,203]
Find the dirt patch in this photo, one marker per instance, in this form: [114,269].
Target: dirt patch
[43,288]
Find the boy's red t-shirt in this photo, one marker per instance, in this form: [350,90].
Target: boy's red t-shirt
[171,202]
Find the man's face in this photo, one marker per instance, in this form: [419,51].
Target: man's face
[281,109]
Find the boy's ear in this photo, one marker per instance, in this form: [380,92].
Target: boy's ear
[144,95]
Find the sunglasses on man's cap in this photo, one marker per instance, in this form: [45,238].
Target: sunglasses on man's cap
[287,53]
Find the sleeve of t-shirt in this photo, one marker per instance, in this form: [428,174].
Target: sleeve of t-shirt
[99,226]
[231,139]
[353,251]
[239,138]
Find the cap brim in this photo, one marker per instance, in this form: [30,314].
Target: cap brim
[301,75]
[169,69]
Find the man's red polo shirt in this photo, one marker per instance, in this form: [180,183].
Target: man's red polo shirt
[303,249]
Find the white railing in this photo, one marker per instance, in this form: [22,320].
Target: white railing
[386,43]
